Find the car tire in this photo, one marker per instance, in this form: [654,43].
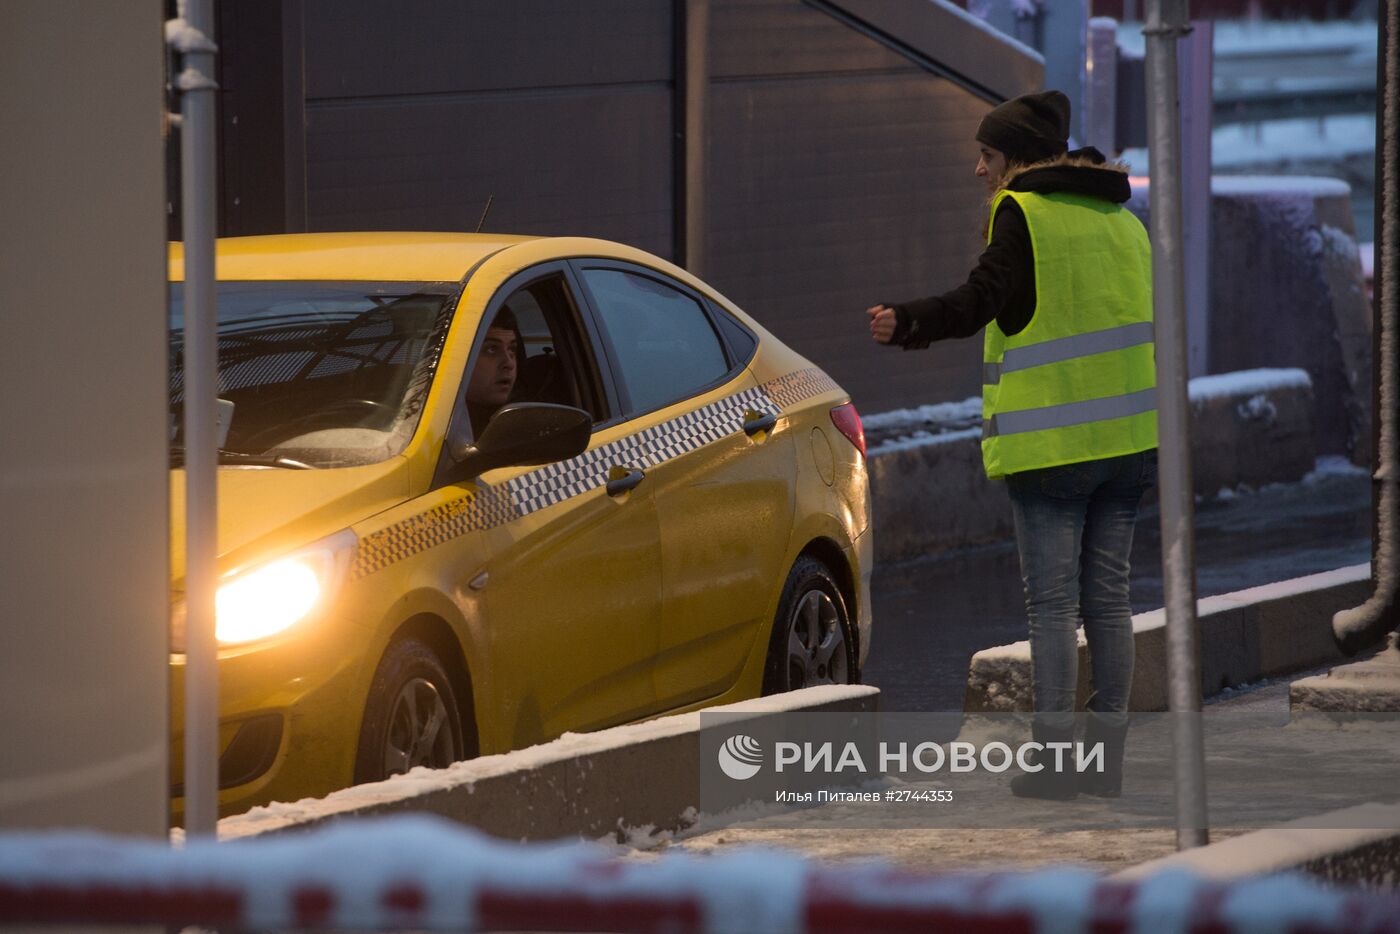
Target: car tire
[411,716]
[812,641]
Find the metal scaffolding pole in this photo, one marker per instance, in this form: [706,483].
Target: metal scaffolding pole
[189,35]
[1166,22]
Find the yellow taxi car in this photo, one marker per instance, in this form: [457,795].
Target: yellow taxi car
[476,491]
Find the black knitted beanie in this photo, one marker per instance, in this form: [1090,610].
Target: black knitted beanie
[1028,128]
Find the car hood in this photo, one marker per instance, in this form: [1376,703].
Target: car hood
[264,512]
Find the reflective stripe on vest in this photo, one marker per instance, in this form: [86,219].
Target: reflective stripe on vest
[1070,413]
[1078,382]
[1067,348]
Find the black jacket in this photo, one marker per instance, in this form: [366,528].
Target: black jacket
[1002,286]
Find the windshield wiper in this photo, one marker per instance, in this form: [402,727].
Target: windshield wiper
[177,458]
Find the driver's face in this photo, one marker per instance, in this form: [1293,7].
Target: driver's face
[494,376]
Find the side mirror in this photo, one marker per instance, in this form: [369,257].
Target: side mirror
[523,434]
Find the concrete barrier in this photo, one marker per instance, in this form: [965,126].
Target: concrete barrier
[1244,636]
[644,775]
[1355,846]
[1370,685]
[930,494]
[1286,290]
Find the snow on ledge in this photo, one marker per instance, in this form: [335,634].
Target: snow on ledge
[424,781]
[1276,849]
[1245,382]
[1205,606]
[917,421]
[1312,185]
[980,24]
[970,407]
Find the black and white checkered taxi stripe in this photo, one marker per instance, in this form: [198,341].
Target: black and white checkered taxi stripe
[554,483]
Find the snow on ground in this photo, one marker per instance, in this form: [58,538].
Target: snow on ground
[421,873]
[1325,468]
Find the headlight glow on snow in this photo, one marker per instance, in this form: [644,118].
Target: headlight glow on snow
[266,601]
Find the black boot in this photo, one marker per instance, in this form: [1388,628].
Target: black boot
[1109,782]
[1049,783]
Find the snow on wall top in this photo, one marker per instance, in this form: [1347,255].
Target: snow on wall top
[938,412]
[1279,184]
[1205,606]
[1273,36]
[990,30]
[946,422]
[1247,381]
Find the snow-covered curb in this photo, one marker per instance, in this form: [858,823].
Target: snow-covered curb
[1244,636]
[582,784]
[930,493]
[1355,845]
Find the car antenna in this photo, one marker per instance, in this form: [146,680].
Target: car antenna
[484,211]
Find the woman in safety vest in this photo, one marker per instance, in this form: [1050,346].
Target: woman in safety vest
[1064,292]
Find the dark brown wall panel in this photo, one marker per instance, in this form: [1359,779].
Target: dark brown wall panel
[361,48]
[416,113]
[830,194]
[787,37]
[840,173]
[586,162]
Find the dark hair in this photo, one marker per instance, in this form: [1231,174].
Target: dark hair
[504,320]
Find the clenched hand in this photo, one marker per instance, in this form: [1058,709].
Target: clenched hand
[882,323]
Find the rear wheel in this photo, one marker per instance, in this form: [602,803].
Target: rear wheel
[811,642]
[411,716]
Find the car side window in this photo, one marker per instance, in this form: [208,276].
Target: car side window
[665,346]
[532,350]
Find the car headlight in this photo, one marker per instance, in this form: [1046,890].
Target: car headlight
[260,601]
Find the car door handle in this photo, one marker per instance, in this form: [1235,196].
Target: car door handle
[755,423]
[619,485]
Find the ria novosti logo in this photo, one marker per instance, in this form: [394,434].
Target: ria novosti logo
[740,757]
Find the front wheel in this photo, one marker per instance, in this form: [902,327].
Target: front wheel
[411,716]
[811,642]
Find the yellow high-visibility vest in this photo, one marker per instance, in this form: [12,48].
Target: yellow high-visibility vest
[1079,382]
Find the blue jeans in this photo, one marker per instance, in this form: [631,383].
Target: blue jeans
[1074,531]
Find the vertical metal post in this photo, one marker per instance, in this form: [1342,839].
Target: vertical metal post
[697,102]
[1166,22]
[1197,119]
[197,141]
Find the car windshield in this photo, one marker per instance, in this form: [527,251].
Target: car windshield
[317,374]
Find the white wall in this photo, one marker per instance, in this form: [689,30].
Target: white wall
[84,553]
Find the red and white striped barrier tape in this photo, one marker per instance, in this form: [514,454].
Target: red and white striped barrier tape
[426,874]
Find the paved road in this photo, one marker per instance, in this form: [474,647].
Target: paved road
[931,616]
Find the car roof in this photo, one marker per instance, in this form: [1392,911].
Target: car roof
[417,257]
